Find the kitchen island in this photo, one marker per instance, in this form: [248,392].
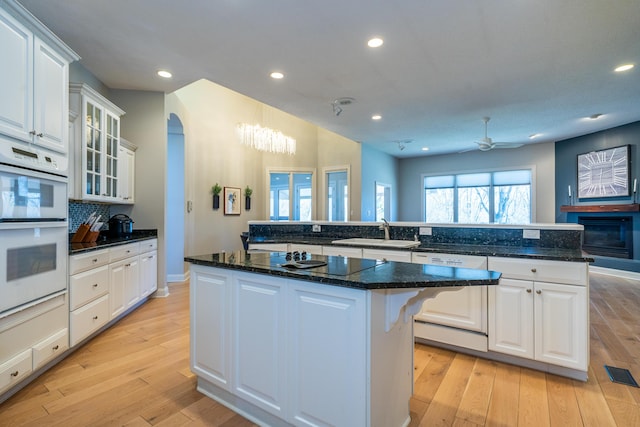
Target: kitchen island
[328,345]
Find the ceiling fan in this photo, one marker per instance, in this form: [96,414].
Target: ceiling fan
[487,144]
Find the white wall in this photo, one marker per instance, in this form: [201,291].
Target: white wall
[539,156]
[213,154]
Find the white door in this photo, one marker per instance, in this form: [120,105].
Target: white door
[561,324]
[511,318]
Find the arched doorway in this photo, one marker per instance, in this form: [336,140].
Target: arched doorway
[175,208]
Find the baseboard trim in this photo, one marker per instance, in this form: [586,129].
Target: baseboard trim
[177,277]
[623,274]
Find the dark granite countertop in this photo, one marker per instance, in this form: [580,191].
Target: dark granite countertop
[105,241]
[552,254]
[351,272]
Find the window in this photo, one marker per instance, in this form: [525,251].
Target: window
[502,197]
[282,206]
[383,201]
[337,195]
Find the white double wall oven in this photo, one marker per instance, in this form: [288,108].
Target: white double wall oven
[33,224]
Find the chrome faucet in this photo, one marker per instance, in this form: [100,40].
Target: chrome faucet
[385,226]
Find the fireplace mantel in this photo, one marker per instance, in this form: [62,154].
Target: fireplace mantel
[629,207]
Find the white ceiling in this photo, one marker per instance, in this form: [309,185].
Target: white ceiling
[533,66]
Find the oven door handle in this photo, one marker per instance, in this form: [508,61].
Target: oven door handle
[24,225]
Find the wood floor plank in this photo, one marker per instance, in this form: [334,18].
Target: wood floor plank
[442,409]
[427,384]
[475,400]
[594,410]
[504,404]
[533,407]
[563,403]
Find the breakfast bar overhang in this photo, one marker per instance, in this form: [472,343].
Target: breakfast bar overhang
[284,345]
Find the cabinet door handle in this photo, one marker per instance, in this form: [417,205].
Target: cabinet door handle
[40,135]
[55,348]
[95,317]
[528,291]
[33,132]
[538,292]
[15,373]
[533,270]
[95,285]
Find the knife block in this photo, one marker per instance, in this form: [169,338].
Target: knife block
[83,235]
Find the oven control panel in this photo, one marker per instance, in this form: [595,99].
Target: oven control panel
[28,157]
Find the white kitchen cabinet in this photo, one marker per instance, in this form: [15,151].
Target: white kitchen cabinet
[88,283]
[35,102]
[127,172]
[124,278]
[539,311]
[457,318]
[148,267]
[95,162]
[15,369]
[270,247]
[50,347]
[342,251]
[211,326]
[261,381]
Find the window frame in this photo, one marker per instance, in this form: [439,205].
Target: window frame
[492,171]
[292,189]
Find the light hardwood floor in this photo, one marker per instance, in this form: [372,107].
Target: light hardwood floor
[137,374]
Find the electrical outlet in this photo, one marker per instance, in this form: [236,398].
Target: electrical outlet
[316,228]
[425,231]
[530,234]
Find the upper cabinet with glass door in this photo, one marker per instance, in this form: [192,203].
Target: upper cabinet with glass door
[96,137]
[35,73]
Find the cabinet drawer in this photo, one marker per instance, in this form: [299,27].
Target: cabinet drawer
[125,251]
[87,286]
[397,256]
[148,245]
[51,347]
[86,261]
[575,273]
[270,247]
[15,369]
[343,251]
[89,318]
[450,260]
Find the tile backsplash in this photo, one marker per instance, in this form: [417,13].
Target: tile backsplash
[79,212]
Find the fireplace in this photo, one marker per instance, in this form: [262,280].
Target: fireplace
[608,236]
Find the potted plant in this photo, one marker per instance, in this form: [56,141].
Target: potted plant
[215,190]
[247,197]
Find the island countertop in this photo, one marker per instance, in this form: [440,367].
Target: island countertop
[351,272]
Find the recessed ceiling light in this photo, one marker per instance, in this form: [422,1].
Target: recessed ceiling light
[376,117]
[535,135]
[595,116]
[375,42]
[624,67]
[425,148]
[277,75]
[164,74]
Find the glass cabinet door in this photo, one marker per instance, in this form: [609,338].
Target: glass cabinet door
[111,156]
[93,148]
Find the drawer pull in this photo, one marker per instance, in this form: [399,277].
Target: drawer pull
[95,285]
[95,317]
[528,291]
[533,270]
[538,292]
[127,265]
[94,260]
[54,348]
[15,374]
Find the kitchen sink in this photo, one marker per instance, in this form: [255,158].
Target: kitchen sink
[399,244]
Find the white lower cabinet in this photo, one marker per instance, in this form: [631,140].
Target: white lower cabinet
[281,363]
[105,283]
[15,369]
[389,255]
[50,347]
[539,320]
[342,251]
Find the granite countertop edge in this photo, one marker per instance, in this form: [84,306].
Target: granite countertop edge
[405,275]
[105,241]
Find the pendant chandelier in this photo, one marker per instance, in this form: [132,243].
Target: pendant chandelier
[265,139]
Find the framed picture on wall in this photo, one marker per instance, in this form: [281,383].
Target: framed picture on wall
[604,173]
[231,201]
